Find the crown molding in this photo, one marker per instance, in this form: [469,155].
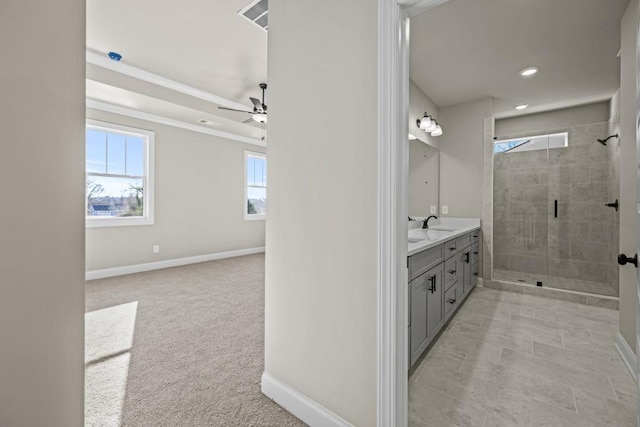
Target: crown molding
[136,114]
[129,70]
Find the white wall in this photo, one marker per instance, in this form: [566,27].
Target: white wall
[462,157]
[628,198]
[556,119]
[419,103]
[321,262]
[199,201]
[41,220]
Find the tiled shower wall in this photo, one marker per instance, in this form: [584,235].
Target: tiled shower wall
[578,244]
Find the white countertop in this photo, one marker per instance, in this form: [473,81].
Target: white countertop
[439,231]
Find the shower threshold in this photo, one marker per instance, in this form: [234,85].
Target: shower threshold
[576,285]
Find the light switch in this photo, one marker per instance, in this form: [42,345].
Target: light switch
[445,210]
[434,210]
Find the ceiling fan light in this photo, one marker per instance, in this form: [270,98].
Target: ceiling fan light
[260,118]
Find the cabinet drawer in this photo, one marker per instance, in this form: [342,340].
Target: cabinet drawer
[451,271]
[423,261]
[450,248]
[463,241]
[450,301]
[475,236]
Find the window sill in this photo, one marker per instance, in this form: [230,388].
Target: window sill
[255,217]
[117,222]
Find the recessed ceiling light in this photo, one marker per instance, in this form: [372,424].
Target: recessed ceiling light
[521,106]
[530,71]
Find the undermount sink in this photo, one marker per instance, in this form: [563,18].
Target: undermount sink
[414,240]
[441,228]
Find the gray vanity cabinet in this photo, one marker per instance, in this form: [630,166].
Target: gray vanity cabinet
[440,278]
[427,309]
[418,294]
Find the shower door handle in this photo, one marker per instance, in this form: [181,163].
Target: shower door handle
[555,208]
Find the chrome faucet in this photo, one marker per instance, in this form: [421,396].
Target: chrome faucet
[425,224]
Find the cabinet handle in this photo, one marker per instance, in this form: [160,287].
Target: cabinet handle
[475,253]
[452,272]
[452,249]
[432,288]
[466,259]
[475,274]
[451,301]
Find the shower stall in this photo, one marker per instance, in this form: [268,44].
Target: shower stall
[555,223]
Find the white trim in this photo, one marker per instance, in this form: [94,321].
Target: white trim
[627,355]
[300,405]
[393,127]
[140,74]
[129,112]
[158,265]
[416,7]
[254,217]
[148,178]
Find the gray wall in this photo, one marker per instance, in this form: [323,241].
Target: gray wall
[461,157]
[42,215]
[628,197]
[557,119]
[199,201]
[321,265]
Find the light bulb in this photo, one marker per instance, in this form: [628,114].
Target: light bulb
[432,125]
[260,118]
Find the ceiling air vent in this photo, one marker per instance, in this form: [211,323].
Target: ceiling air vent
[257,12]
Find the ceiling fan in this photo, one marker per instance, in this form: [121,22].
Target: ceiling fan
[259,113]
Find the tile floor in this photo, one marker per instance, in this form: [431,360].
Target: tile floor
[578,285]
[509,359]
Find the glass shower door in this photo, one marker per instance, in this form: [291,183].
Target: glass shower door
[521,203]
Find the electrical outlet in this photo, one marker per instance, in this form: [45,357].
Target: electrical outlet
[434,210]
[156,249]
[445,210]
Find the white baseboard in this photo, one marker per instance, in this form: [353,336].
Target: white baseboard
[300,405]
[139,268]
[627,355]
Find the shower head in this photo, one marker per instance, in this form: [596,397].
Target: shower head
[604,141]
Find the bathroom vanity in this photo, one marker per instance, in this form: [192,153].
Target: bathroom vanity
[443,269]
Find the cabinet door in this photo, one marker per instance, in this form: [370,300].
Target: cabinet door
[418,338]
[466,257]
[435,301]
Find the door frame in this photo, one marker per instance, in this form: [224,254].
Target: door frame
[393,160]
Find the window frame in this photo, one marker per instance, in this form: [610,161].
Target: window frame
[564,134]
[247,216]
[148,178]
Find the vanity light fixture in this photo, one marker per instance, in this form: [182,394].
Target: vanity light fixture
[412,137]
[522,106]
[427,123]
[529,71]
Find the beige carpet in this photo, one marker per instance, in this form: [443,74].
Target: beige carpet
[197,351]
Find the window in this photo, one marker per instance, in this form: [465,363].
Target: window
[528,143]
[255,188]
[119,173]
